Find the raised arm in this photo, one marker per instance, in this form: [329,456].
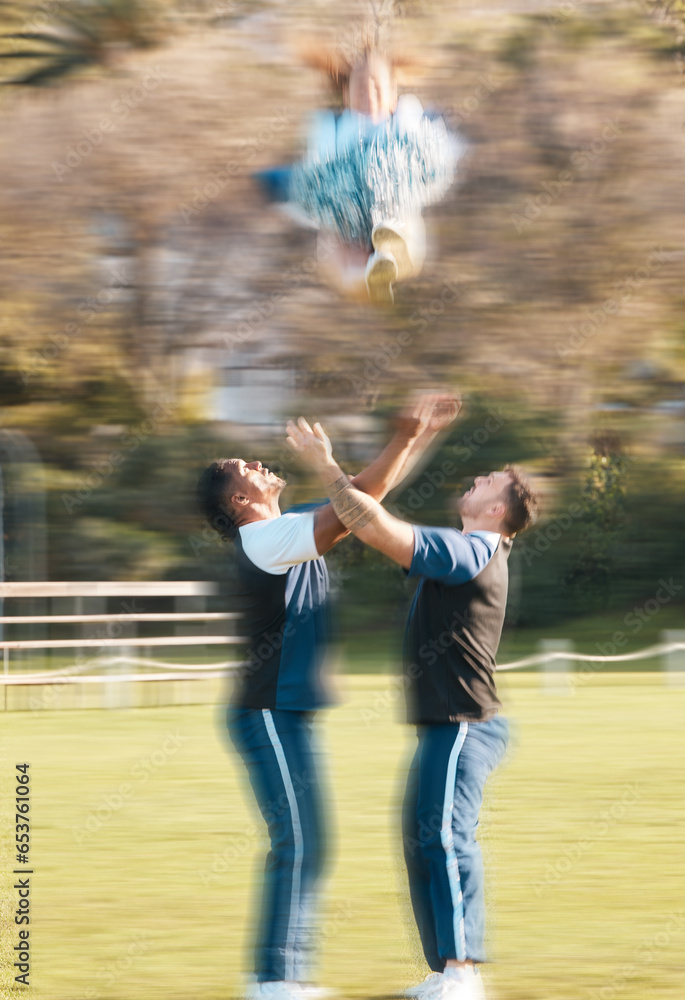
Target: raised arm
[417,427]
[445,409]
[357,511]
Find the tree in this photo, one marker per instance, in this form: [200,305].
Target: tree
[59,41]
[592,576]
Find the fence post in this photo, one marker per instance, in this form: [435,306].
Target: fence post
[674,662]
[556,674]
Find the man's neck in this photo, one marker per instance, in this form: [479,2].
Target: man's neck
[477,524]
[261,512]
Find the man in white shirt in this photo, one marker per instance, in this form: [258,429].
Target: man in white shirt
[284,576]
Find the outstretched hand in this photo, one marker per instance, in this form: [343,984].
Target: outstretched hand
[430,413]
[446,407]
[310,443]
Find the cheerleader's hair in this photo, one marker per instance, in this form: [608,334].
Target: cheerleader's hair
[337,65]
[331,63]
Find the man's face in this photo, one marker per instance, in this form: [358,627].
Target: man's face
[253,480]
[486,492]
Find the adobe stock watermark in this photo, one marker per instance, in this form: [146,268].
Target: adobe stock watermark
[112,630]
[140,773]
[595,318]
[464,449]
[580,159]
[131,441]
[537,543]
[241,843]
[110,973]
[356,37]
[563,11]
[211,535]
[261,310]
[50,694]
[425,830]
[598,828]
[545,537]
[86,311]
[636,619]
[40,18]
[216,180]
[9,569]
[224,8]
[648,951]
[120,109]
[487,85]
[329,927]
[428,654]
[385,699]
[680,67]
[271,642]
[383,359]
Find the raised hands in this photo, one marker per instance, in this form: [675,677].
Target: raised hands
[310,443]
[430,413]
[416,425]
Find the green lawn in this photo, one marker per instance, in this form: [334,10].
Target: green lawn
[149,895]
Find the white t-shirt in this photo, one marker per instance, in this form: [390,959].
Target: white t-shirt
[492,537]
[277,543]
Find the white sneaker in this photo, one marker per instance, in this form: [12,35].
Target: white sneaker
[478,988]
[274,991]
[381,271]
[422,991]
[311,992]
[391,238]
[462,984]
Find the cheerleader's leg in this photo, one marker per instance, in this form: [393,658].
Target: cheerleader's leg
[343,265]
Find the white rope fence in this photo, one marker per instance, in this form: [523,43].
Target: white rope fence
[642,654]
[74,672]
[75,675]
[188,671]
[113,662]
[82,671]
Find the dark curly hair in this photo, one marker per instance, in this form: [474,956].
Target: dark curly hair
[214,498]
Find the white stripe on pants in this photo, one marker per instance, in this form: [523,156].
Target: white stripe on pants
[447,840]
[298,840]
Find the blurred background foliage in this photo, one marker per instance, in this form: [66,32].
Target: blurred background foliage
[153,318]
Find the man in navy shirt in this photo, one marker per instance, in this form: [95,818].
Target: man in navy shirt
[284,578]
[453,632]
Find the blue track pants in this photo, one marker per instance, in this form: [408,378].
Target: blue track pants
[440,819]
[276,747]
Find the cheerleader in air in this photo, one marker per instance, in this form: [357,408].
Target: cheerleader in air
[367,174]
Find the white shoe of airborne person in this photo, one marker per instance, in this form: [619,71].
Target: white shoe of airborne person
[381,271]
[390,238]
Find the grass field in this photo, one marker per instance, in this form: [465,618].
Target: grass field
[145,848]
